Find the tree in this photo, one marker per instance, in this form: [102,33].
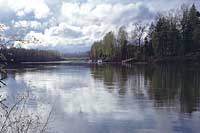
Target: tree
[149,38]
[122,39]
[96,50]
[193,18]
[174,37]
[159,36]
[138,33]
[196,37]
[194,22]
[108,42]
[190,29]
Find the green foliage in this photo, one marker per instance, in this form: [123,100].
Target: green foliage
[169,39]
[122,42]
[190,30]
[111,47]
[104,49]
[166,37]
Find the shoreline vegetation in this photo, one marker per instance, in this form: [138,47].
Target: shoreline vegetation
[173,37]
[15,56]
[18,55]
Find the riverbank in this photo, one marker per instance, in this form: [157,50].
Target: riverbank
[195,58]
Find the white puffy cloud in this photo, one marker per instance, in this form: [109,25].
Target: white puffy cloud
[64,30]
[23,7]
[27,24]
[88,13]
[81,24]
[56,42]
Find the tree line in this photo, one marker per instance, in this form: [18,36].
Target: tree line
[173,35]
[17,55]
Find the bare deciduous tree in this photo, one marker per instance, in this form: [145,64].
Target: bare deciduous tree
[17,118]
[138,33]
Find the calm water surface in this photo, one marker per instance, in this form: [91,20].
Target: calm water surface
[112,99]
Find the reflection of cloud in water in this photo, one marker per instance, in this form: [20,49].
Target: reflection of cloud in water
[88,100]
[49,80]
[74,100]
[77,95]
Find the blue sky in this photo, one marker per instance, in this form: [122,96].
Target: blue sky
[72,25]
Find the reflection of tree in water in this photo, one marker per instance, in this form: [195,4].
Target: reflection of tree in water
[168,86]
[103,73]
[190,90]
[114,77]
[175,86]
[164,85]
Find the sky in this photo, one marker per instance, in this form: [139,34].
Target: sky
[72,26]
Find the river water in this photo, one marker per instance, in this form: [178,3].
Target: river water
[111,98]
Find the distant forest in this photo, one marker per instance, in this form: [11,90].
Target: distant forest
[76,55]
[17,55]
[173,36]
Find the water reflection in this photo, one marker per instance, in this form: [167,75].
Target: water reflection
[166,85]
[112,98]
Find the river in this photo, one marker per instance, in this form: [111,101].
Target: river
[110,98]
